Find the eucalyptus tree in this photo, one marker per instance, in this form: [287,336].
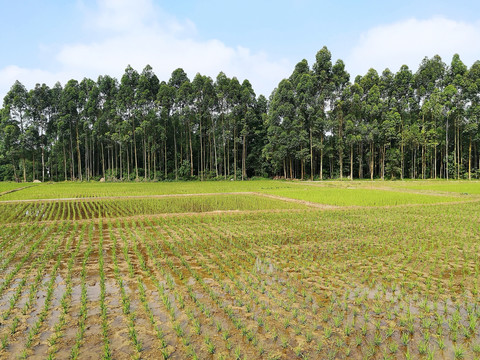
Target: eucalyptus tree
[9,140]
[431,111]
[126,105]
[89,96]
[166,102]
[304,86]
[40,109]
[222,91]
[322,70]
[339,95]
[386,123]
[17,107]
[258,138]
[430,76]
[353,124]
[177,78]
[70,104]
[247,100]
[472,125]
[202,102]
[145,99]
[184,99]
[234,98]
[372,107]
[281,116]
[457,76]
[104,126]
[402,97]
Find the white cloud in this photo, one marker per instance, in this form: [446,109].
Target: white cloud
[138,33]
[409,41]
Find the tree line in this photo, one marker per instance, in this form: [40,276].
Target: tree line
[316,124]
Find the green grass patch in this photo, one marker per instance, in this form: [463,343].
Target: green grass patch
[357,196]
[455,186]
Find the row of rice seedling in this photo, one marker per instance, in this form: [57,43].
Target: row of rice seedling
[82,210]
[40,264]
[82,317]
[60,325]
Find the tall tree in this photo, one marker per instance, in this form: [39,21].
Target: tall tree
[127,106]
[322,70]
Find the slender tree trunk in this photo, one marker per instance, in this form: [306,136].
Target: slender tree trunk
[244,157]
[72,167]
[228,157]
[351,161]
[165,156]
[311,155]
[424,149]
[371,159]
[24,170]
[175,150]
[121,168]
[154,165]
[340,162]
[103,161]
[191,153]
[402,154]
[360,161]
[33,167]
[128,158]
[202,165]
[144,155]
[64,161]
[225,154]
[43,164]
[383,161]
[459,157]
[14,170]
[470,158]
[235,153]
[321,156]
[86,157]
[446,150]
[79,158]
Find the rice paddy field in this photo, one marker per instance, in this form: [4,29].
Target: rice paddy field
[240,270]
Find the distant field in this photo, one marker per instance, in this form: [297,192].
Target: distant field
[241,270]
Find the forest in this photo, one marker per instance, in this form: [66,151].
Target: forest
[316,124]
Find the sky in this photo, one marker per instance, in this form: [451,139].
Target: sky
[58,40]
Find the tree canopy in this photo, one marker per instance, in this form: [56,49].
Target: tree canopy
[316,124]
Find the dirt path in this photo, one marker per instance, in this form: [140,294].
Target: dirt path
[297,201]
[14,190]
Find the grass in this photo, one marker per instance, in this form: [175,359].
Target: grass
[279,280]
[357,196]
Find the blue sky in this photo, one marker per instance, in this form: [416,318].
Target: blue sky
[49,41]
